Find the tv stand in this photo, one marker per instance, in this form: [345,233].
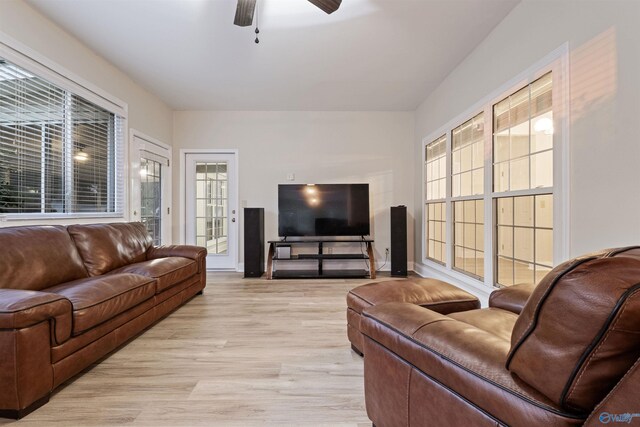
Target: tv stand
[321,257]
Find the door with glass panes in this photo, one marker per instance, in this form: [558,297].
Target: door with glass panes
[151,186]
[154,209]
[211,207]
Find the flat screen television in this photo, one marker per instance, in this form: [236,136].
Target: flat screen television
[323,210]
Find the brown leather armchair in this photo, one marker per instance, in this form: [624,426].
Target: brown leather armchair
[563,353]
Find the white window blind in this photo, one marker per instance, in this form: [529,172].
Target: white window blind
[59,153]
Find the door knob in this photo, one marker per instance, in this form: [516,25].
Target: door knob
[233,220]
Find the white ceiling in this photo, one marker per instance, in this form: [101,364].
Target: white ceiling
[369,55]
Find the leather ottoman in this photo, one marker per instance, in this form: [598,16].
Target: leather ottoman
[433,294]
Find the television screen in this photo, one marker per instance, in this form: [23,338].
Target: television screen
[323,210]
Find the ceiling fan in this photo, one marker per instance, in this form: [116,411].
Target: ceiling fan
[246,8]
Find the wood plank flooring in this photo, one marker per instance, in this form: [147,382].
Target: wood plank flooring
[249,352]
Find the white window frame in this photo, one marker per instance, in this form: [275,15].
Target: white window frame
[556,62]
[435,201]
[139,143]
[33,62]
[472,197]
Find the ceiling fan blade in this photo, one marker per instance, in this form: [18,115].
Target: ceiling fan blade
[244,13]
[329,6]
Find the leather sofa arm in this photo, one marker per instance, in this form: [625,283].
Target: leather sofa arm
[197,253]
[425,339]
[21,309]
[512,298]
[185,251]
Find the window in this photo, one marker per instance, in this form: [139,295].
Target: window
[436,166]
[436,189]
[525,238]
[523,161]
[436,232]
[59,153]
[211,206]
[151,198]
[506,213]
[467,178]
[468,237]
[523,138]
[467,152]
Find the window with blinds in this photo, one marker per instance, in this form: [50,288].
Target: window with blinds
[59,153]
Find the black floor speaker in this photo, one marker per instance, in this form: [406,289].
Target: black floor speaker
[399,241]
[253,242]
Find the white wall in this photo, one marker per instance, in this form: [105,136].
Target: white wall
[147,113]
[318,147]
[604,40]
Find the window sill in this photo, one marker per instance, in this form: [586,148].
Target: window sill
[431,269]
[57,217]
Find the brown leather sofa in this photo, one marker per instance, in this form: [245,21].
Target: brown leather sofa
[563,353]
[70,295]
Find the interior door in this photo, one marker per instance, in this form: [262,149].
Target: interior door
[151,188]
[211,207]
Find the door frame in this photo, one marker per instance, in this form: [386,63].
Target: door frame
[139,142]
[183,194]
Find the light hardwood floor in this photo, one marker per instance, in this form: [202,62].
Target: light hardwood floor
[249,352]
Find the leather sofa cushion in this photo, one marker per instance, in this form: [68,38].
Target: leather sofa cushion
[105,247]
[495,321]
[167,271]
[579,331]
[35,258]
[97,299]
[465,358]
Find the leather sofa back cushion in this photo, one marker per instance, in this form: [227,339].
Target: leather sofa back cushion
[35,258]
[579,332]
[105,247]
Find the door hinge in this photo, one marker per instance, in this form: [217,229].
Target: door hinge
[168,162]
[168,211]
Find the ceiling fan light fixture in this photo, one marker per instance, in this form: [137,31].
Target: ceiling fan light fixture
[244,13]
[328,6]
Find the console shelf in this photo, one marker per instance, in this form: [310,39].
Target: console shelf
[320,257]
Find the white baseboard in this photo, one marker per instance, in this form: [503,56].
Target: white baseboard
[240,268]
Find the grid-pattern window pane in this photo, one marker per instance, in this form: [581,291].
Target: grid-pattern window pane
[436,169]
[212,201]
[524,238]
[151,198]
[467,158]
[468,236]
[523,138]
[436,231]
[59,153]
